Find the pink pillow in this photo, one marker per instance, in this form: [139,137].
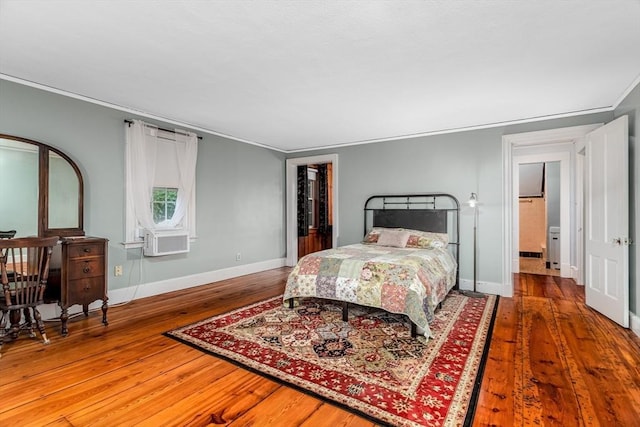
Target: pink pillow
[394,238]
[417,239]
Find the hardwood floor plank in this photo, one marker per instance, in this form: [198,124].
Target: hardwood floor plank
[609,386]
[284,407]
[552,360]
[496,402]
[192,380]
[551,288]
[100,367]
[141,389]
[547,387]
[60,422]
[147,374]
[52,364]
[219,403]
[570,290]
[329,415]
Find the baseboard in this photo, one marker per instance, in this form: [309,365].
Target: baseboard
[484,287]
[574,273]
[125,295]
[634,321]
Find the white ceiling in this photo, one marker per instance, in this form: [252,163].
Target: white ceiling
[294,75]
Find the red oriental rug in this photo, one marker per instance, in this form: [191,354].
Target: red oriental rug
[370,365]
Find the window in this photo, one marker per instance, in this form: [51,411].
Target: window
[163,203]
[160,180]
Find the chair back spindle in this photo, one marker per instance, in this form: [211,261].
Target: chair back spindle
[24,271]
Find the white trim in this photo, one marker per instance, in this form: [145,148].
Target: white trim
[507,185]
[543,140]
[325,147]
[456,130]
[575,274]
[626,93]
[492,288]
[551,136]
[634,322]
[291,190]
[124,295]
[132,111]
[579,213]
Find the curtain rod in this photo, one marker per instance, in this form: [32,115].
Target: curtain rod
[130,122]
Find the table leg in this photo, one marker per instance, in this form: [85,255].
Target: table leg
[105,307]
[63,320]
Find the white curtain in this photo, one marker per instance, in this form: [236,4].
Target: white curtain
[141,169]
[186,146]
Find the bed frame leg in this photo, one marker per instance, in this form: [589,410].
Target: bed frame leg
[414,330]
[291,303]
[345,311]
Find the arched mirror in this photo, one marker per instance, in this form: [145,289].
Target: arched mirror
[42,189]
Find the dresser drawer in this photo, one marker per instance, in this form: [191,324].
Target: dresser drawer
[85,291]
[80,268]
[86,250]
[77,275]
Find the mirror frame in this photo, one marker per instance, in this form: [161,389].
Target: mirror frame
[43,190]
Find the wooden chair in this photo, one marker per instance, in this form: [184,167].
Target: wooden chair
[24,269]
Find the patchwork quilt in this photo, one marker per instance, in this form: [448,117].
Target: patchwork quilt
[408,281]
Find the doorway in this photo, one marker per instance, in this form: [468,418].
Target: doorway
[539,218]
[541,146]
[314,203]
[292,205]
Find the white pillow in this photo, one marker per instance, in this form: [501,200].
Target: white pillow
[394,238]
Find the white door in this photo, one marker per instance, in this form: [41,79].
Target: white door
[607,221]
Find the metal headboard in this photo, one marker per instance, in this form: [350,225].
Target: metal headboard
[435,212]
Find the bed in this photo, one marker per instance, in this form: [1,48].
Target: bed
[406,263]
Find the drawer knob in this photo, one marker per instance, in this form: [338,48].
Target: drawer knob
[86,268]
[87,250]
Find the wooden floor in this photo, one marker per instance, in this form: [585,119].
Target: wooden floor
[536,266]
[552,361]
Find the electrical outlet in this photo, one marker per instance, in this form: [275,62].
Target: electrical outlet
[117,270]
[238,256]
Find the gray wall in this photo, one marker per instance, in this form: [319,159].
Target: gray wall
[240,187]
[552,171]
[457,163]
[631,107]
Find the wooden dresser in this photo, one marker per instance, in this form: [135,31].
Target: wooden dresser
[78,275]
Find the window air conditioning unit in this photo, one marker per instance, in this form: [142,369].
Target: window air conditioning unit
[165,242]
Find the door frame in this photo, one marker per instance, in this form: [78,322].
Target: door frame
[292,201]
[530,147]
